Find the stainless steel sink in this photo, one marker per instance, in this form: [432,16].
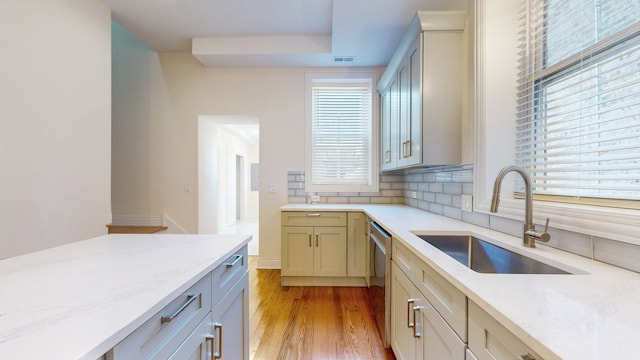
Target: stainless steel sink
[484,257]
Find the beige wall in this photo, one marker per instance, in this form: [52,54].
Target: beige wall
[55,115]
[138,127]
[180,92]
[275,96]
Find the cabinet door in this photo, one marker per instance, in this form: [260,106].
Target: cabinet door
[385,131]
[414,147]
[404,119]
[489,340]
[297,251]
[437,340]
[409,76]
[330,252]
[357,244]
[394,123]
[231,323]
[195,347]
[403,341]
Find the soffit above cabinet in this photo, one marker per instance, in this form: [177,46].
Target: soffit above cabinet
[284,33]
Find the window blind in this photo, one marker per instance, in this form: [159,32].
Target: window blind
[341,133]
[578,115]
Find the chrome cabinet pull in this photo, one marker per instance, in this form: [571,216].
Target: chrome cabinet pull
[409,307]
[217,354]
[235,261]
[416,334]
[190,298]
[210,344]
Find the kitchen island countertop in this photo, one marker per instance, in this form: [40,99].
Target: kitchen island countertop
[78,300]
[592,314]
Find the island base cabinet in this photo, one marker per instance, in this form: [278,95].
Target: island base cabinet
[210,320]
[230,326]
[161,335]
[488,340]
[196,346]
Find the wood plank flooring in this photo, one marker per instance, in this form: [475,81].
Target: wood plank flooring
[297,322]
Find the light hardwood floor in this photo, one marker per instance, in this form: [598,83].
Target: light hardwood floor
[297,322]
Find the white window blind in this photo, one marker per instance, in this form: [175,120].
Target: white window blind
[578,116]
[341,132]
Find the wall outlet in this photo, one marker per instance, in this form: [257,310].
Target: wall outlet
[315,198]
[187,187]
[467,203]
[414,194]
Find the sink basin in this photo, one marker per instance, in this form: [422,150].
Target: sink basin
[484,257]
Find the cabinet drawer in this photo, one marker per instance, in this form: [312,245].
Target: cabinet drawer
[403,257]
[313,218]
[450,302]
[489,340]
[165,331]
[228,273]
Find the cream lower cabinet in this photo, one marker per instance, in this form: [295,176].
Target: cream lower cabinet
[417,330]
[323,248]
[488,340]
[314,251]
[207,321]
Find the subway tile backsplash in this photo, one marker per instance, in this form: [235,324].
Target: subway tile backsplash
[439,191]
[391,192]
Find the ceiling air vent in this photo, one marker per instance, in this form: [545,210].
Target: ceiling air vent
[344,59]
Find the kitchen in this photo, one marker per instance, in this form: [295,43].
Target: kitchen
[176,89]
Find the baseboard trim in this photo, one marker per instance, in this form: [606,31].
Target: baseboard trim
[268,264]
[172,226]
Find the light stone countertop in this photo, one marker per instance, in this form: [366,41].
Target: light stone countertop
[77,301]
[593,314]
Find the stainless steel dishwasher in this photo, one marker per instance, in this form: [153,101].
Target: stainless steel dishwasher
[379,281]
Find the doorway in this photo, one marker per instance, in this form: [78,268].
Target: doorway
[227,201]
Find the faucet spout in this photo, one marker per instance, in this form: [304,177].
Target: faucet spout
[529,233]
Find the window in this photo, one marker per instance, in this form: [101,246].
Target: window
[340,146]
[578,124]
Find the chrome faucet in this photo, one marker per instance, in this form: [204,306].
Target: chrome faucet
[530,235]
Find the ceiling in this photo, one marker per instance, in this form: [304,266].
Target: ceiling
[248,33]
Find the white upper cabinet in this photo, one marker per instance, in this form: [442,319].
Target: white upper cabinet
[422,94]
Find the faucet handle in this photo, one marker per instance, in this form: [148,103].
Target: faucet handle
[540,236]
[545,237]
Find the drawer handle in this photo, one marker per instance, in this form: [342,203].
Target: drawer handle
[234,262]
[409,307]
[211,341]
[190,298]
[314,215]
[416,334]
[527,357]
[217,354]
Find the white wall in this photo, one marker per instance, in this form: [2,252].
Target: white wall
[55,115]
